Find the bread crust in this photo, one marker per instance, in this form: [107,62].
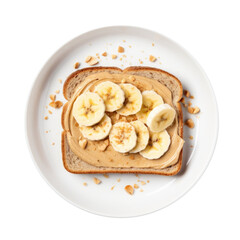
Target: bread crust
[89,169]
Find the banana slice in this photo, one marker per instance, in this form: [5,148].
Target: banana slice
[133,100]
[160,118]
[88,109]
[142,136]
[112,95]
[98,131]
[123,137]
[150,100]
[158,144]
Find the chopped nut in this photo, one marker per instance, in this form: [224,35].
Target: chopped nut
[189,104]
[138,180]
[135,186]
[112,187]
[46,131]
[152,58]
[46,118]
[76,65]
[104,54]
[91,61]
[124,55]
[49,112]
[140,61]
[148,181]
[83,143]
[53,143]
[124,40]
[129,189]
[196,110]
[60,80]
[85,184]
[88,58]
[97,181]
[182,100]
[189,123]
[120,49]
[106,175]
[120,58]
[117,116]
[114,56]
[192,97]
[103,146]
[53,97]
[141,190]
[190,110]
[186,93]
[57,91]
[143,183]
[56,104]
[129,46]
[153,44]
[191,137]
[118,180]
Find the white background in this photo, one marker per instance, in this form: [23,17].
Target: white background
[31,31]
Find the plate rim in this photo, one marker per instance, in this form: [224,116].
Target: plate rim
[53,56]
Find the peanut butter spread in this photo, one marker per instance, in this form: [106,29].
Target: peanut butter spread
[93,155]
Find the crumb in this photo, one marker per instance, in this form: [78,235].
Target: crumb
[190,110]
[85,184]
[192,97]
[114,56]
[122,65]
[103,146]
[120,49]
[97,181]
[140,61]
[97,54]
[182,100]
[104,54]
[135,186]
[129,189]
[143,183]
[138,180]
[189,104]
[53,97]
[76,65]
[191,137]
[196,110]
[49,112]
[186,93]
[56,104]
[57,91]
[83,143]
[141,190]
[118,180]
[60,80]
[148,181]
[53,143]
[112,187]
[46,107]
[124,55]
[124,40]
[106,175]
[46,118]
[152,58]
[136,175]
[153,44]
[46,131]
[189,123]
[130,46]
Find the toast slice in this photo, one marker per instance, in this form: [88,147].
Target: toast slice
[74,164]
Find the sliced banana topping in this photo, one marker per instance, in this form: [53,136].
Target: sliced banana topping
[88,109]
[142,136]
[98,131]
[123,137]
[150,100]
[112,95]
[133,100]
[161,117]
[158,144]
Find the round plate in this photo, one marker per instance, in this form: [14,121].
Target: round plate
[109,198]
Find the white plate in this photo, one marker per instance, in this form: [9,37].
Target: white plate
[161,190]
